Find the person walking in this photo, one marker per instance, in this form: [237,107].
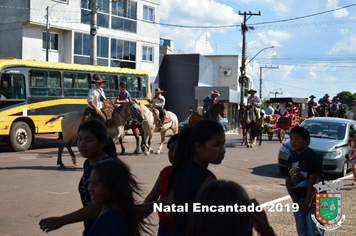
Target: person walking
[95,145]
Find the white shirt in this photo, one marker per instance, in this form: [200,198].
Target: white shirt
[160,101]
[254,99]
[94,96]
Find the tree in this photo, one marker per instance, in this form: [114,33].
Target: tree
[346,98]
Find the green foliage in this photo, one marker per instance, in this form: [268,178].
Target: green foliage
[346,98]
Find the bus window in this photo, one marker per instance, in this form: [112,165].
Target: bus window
[136,85]
[111,87]
[45,83]
[76,84]
[12,86]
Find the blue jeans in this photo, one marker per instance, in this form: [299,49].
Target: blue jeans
[304,223]
[164,229]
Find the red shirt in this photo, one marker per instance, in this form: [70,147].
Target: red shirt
[163,189]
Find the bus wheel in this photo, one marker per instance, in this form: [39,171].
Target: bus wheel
[20,137]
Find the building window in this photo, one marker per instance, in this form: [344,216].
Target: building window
[147,53]
[148,13]
[103,13]
[65,1]
[85,12]
[124,16]
[82,49]
[53,41]
[123,53]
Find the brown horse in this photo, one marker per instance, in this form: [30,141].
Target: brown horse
[216,109]
[250,122]
[323,110]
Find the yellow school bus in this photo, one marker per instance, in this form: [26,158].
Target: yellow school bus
[31,92]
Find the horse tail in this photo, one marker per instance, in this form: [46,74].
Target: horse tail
[54,118]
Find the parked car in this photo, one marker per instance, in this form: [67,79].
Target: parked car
[325,134]
[223,121]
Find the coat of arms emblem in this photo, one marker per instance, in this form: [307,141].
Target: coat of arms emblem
[328,206]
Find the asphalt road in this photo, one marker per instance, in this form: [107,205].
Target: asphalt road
[33,187]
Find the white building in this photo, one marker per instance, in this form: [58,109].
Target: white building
[127,34]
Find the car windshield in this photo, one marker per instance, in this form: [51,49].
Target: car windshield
[328,130]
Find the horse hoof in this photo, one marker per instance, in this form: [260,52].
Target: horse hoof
[158,152]
[135,152]
[122,153]
[62,166]
[75,163]
[147,153]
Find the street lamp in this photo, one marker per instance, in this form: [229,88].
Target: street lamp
[242,72]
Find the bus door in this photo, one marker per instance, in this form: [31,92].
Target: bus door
[12,89]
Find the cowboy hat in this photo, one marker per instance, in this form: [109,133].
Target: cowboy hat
[158,90]
[326,95]
[252,91]
[98,80]
[216,92]
[338,99]
[312,96]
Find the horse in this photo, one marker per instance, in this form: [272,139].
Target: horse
[216,109]
[137,131]
[312,112]
[323,110]
[72,120]
[248,122]
[151,124]
[340,113]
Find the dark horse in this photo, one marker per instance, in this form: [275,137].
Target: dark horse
[137,131]
[312,112]
[323,110]
[248,122]
[340,113]
[216,109]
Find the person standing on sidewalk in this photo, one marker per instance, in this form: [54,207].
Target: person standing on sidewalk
[304,169]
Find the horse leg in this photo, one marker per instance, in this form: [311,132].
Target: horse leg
[137,137]
[246,139]
[122,146]
[163,137]
[143,141]
[148,138]
[60,151]
[69,147]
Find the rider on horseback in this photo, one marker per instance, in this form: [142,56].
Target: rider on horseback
[124,96]
[158,102]
[96,100]
[209,101]
[312,102]
[337,104]
[325,101]
[254,100]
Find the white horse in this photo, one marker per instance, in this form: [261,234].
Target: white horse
[72,120]
[150,125]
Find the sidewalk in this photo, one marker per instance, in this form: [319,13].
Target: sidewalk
[283,222]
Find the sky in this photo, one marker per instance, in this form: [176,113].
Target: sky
[314,44]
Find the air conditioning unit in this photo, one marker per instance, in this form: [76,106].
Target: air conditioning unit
[227,72]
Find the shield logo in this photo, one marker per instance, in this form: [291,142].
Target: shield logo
[328,207]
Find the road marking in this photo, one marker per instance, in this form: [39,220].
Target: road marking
[28,157]
[58,193]
[288,196]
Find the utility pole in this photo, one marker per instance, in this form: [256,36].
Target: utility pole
[244,28]
[271,67]
[47,33]
[242,78]
[93,31]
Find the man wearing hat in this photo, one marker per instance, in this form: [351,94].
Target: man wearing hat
[325,101]
[124,96]
[312,102]
[337,104]
[96,100]
[158,102]
[254,100]
[209,101]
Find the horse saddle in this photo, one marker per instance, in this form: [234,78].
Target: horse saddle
[167,117]
[200,111]
[108,111]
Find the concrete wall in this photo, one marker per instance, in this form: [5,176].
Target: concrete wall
[208,72]
[179,75]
